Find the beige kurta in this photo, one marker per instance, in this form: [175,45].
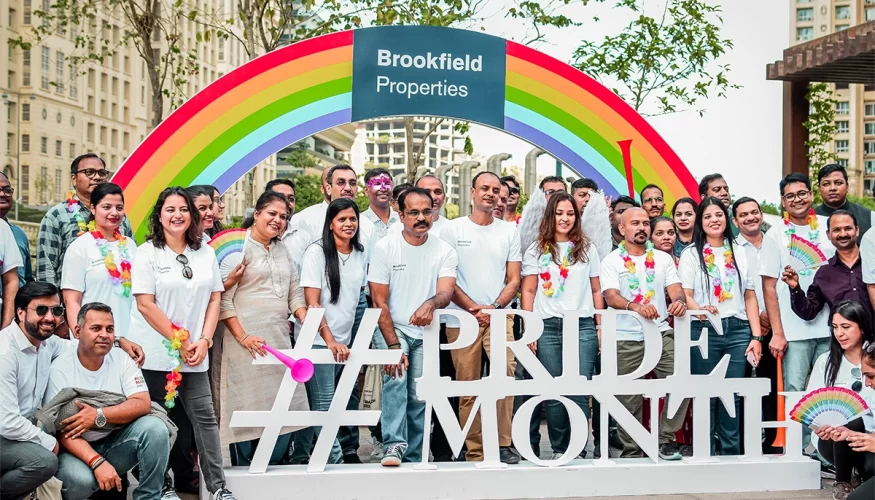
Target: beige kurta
[262,301]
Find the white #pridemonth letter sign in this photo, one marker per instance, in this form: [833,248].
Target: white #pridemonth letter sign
[436,390]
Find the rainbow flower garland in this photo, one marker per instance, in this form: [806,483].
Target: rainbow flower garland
[813,233]
[544,264]
[649,272]
[119,277]
[174,378]
[721,290]
[73,207]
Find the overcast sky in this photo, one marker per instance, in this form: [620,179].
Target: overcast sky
[739,136]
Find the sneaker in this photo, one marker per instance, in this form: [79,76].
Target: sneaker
[827,471]
[351,458]
[222,494]
[392,456]
[507,456]
[841,490]
[669,451]
[167,491]
[377,454]
[556,456]
[685,450]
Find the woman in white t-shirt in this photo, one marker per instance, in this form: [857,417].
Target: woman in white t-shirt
[851,327]
[255,311]
[332,273]
[717,279]
[177,286]
[98,264]
[561,272]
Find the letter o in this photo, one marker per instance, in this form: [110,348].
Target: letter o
[520,430]
[406,61]
[419,62]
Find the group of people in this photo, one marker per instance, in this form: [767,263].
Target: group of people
[123,358]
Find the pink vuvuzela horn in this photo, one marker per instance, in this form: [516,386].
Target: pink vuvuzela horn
[302,369]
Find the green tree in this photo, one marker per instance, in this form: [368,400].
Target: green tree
[301,158]
[452,210]
[662,64]
[307,191]
[770,208]
[821,129]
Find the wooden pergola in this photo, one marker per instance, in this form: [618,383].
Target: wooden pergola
[846,57]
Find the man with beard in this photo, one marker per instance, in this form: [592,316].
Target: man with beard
[489,277]
[653,201]
[438,195]
[64,222]
[618,208]
[841,279]
[617,270]
[25,272]
[501,202]
[832,180]
[27,348]
[513,199]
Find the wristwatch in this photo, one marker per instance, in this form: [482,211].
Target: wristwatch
[100,421]
[496,305]
[209,342]
[757,337]
[115,343]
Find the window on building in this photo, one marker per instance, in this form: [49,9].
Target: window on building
[59,146]
[805,14]
[869,166]
[25,184]
[74,78]
[869,128]
[843,162]
[72,150]
[44,145]
[842,86]
[841,146]
[804,33]
[25,74]
[869,109]
[102,136]
[90,132]
[843,11]
[59,71]
[45,67]
[842,108]
[43,181]
[25,143]
[25,111]
[870,13]
[26,12]
[47,4]
[57,184]
[869,147]
[842,127]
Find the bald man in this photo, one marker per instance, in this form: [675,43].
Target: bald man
[621,294]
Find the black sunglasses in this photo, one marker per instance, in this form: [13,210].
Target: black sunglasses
[57,311]
[514,190]
[186,271]
[857,386]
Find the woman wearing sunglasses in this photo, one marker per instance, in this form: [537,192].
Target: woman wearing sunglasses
[177,286]
[851,327]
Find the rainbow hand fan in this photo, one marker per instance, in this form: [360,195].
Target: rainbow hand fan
[806,253]
[228,242]
[833,406]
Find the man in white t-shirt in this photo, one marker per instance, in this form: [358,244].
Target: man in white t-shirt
[411,275]
[489,256]
[10,261]
[619,287]
[92,458]
[798,342]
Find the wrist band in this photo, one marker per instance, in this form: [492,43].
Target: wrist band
[323,326]
[394,345]
[93,459]
[628,304]
[245,336]
[97,463]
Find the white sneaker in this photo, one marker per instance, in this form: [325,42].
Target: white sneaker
[168,493]
[222,494]
[377,454]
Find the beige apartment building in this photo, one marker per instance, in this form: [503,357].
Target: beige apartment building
[855,112]
[55,112]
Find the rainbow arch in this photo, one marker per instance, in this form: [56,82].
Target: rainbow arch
[294,92]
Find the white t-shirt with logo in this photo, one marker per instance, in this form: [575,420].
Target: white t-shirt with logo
[577,294]
[118,374]
[353,268]
[693,278]
[412,273]
[774,256]
[306,228]
[183,301]
[614,275]
[483,253]
[85,271]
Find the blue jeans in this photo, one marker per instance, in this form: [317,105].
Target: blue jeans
[550,355]
[349,436]
[797,363]
[242,452]
[144,442]
[322,387]
[403,414]
[734,341]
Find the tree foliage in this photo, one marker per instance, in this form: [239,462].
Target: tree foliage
[662,64]
[307,191]
[821,127]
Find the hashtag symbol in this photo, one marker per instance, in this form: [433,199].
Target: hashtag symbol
[279,416]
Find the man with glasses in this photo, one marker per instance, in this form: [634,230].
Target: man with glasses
[832,181]
[513,199]
[653,201]
[27,348]
[552,184]
[411,275]
[64,222]
[7,197]
[795,341]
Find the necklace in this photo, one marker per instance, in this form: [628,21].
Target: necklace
[649,274]
[119,277]
[544,265]
[722,289]
[813,233]
[342,260]
[73,208]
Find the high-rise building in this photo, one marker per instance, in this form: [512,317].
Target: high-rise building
[854,141]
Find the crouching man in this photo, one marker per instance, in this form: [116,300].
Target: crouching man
[98,400]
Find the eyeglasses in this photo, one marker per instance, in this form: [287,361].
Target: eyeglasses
[92,173]
[186,271]
[551,192]
[514,190]
[416,213]
[857,386]
[219,201]
[869,347]
[57,311]
[344,182]
[791,197]
[654,200]
[7,191]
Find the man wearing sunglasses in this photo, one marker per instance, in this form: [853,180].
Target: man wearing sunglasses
[64,222]
[513,199]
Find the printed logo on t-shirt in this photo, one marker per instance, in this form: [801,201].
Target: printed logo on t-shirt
[399,267]
[463,243]
[139,380]
[164,270]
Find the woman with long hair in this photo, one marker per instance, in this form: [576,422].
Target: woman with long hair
[203,202]
[717,279]
[684,215]
[332,273]
[560,273]
[177,287]
[663,234]
[851,327]
[255,312]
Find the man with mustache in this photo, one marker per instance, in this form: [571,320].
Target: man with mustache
[581,190]
[653,201]
[378,188]
[841,279]
[490,261]
[619,271]
[832,181]
[513,199]
[64,222]
[501,202]
[27,349]
[411,275]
